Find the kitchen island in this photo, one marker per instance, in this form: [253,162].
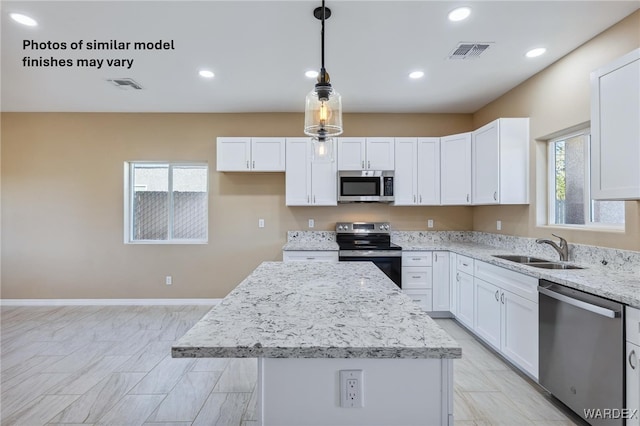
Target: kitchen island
[305,322]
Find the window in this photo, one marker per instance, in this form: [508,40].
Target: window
[570,201]
[166,202]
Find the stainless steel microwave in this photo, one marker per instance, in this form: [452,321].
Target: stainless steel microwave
[365,186]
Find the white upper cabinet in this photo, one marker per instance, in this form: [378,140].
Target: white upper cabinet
[417,171]
[455,169]
[308,183]
[429,171]
[500,162]
[250,154]
[405,180]
[366,153]
[615,129]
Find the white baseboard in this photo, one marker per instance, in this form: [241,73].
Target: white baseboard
[106,302]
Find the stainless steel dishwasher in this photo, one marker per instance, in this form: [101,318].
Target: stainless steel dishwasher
[581,358]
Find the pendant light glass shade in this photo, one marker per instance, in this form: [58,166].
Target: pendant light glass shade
[322,150]
[323,116]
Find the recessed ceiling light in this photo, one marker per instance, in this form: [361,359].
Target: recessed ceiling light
[535,52]
[416,74]
[311,74]
[23,19]
[459,14]
[206,74]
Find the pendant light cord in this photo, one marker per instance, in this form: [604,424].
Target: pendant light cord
[322,37]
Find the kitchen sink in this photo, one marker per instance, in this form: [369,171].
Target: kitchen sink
[520,259]
[553,265]
[535,262]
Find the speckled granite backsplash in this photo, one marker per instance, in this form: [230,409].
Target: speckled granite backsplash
[614,259]
[310,236]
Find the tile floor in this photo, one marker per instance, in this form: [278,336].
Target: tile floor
[111,365]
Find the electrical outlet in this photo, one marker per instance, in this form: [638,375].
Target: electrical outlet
[351,387]
[499,225]
[430,223]
[260,223]
[168,280]
[312,223]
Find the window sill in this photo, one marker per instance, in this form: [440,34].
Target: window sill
[620,229]
[167,242]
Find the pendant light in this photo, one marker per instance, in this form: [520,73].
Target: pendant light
[323,106]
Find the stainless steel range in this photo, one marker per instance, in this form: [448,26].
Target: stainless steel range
[370,241]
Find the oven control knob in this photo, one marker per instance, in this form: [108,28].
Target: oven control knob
[386,227]
[381,227]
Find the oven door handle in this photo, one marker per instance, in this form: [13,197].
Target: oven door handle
[370,253]
[579,303]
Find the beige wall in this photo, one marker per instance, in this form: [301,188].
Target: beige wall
[62,202]
[555,99]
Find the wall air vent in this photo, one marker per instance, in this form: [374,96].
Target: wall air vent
[468,50]
[125,83]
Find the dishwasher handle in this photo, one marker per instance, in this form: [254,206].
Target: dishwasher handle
[605,312]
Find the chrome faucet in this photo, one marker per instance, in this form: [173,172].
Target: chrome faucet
[562,249]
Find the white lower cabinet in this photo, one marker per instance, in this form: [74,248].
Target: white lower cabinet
[506,313]
[519,339]
[465,298]
[487,312]
[417,278]
[632,364]
[421,297]
[441,292]
[309,256]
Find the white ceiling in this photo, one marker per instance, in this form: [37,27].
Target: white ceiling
[259,51]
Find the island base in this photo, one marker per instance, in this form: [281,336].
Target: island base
[306,391]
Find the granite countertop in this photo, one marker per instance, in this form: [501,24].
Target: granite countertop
[317,310]
[311,246]
[623,287]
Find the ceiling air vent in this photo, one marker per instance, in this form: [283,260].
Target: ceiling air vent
[468,50]
[125,83]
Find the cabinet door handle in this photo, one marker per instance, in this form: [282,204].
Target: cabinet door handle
[310,258]
[363,164]
[465,264]
[314,199]
[421,198]
[458,276]
[368,164]
[497,295]
[416,277]
[435,257]
[502,298]
[495,196]
[467,198]
[633,359]
[416,258]
[247,164]
[308,199]
[414,198]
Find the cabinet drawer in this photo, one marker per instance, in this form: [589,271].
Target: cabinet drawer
[422,297]
[515,282]
[310,256]
[416,258]
[633,325]
[464,264]
[417,278]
